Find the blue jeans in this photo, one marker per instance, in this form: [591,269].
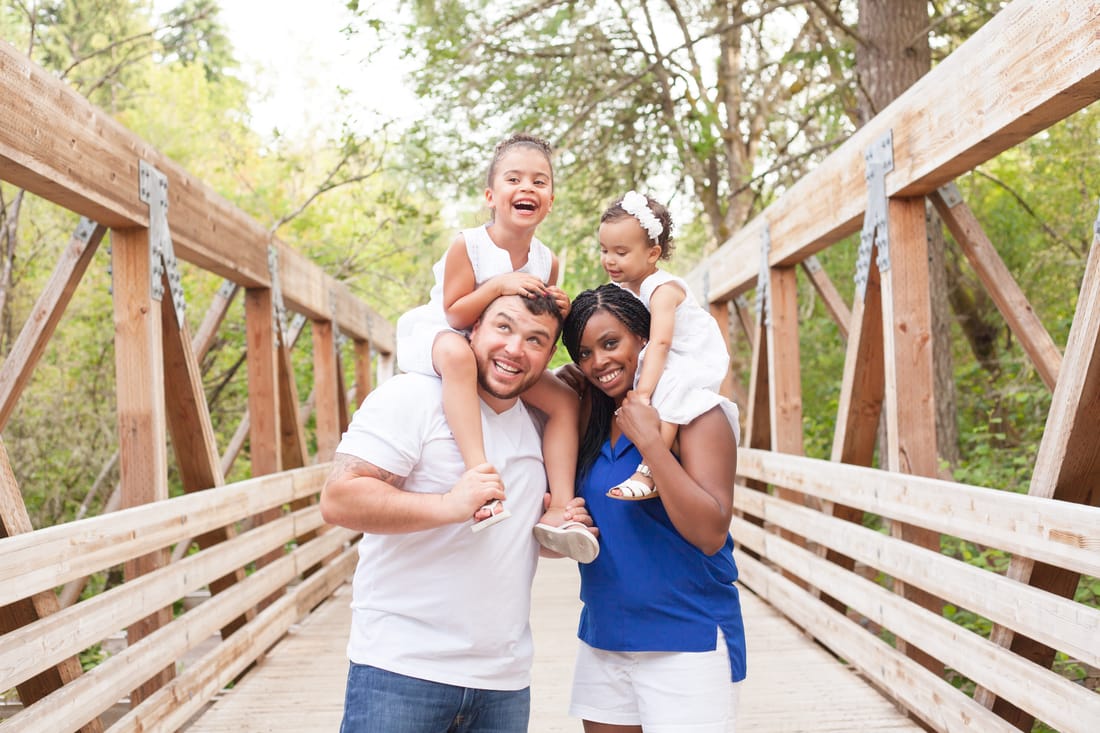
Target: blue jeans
[377,701]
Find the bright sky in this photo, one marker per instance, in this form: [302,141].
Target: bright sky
[295,59]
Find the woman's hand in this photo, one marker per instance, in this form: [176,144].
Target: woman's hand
[639,421]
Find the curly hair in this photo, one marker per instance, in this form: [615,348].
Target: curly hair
[622,304]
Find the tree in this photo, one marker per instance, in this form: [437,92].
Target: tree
[722,100]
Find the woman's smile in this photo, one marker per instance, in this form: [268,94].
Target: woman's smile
[609,354]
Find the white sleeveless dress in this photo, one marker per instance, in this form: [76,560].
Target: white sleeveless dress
[417,328]
[697,360]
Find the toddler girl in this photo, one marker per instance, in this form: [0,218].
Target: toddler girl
[685,360]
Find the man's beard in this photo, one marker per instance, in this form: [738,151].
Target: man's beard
[488,387]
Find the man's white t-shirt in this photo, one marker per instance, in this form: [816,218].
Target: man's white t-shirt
[447,605]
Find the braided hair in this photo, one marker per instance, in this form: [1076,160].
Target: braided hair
[632,312]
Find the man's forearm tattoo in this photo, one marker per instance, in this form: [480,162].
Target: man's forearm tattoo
[359,467]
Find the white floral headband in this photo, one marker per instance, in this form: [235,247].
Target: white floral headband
[637,206]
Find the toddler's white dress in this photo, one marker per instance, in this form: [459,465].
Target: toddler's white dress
[697,360]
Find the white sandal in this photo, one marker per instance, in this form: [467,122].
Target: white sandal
[633,489]
[493,518]
[572,539]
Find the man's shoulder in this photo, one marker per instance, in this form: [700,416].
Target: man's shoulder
[407,391]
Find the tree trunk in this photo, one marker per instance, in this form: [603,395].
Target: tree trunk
[947,426]
[892,56]
[894,52]
[9,223]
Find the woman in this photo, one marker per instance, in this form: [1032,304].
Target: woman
[662,642]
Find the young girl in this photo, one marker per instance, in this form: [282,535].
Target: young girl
[502,257]
[686,358]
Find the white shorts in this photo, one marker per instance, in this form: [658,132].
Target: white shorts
[664,692]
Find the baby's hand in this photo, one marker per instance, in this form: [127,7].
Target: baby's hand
[519,283]
[561,299]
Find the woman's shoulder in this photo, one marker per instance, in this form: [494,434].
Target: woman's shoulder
[723,412]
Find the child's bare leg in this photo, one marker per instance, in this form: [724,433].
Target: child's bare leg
[640,484]
[453,359]
[560,440]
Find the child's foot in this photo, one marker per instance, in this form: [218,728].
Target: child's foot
[497,513]
[572,539]
[639,486]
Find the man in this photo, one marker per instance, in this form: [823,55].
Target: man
[440,635]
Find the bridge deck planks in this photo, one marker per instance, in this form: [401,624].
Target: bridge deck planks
[793,684]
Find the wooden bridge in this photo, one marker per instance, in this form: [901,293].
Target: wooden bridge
[276,575]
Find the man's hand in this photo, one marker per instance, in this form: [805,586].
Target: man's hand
[572,376]
[574,511]
[477,487]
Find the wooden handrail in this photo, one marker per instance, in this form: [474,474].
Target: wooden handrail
[978,102]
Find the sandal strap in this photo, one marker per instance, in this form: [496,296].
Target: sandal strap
[644,470]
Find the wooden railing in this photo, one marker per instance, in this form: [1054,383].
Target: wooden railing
[267,558]
[259,545]
[1043,530]
[285,590]
[800,523]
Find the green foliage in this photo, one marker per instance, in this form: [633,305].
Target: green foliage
[347,203]
[629,101]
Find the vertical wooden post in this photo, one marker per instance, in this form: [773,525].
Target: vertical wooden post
[263,392]
[362,372]
[142,429]
[326,390]
[784,375]
[909,376]
[784,379]
[264,395]
[720,311]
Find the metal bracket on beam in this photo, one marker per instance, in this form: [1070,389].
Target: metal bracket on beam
[763,280]
[153,190]
[876,233]
[278,314]
[949,192]
[227,290]
[85,228]
[811,264]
